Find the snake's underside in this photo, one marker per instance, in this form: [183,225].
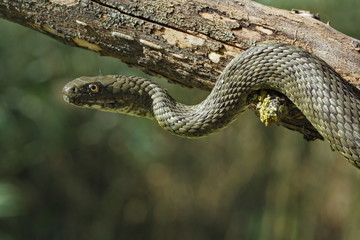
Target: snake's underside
[328,102]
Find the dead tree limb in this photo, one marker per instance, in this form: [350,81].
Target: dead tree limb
[188,42]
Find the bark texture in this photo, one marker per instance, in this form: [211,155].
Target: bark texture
[188,42]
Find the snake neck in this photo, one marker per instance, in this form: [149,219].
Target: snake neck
[217,111]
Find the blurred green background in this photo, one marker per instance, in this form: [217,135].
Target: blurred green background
[70,173]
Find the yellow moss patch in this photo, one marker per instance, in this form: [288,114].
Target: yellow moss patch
[269,112]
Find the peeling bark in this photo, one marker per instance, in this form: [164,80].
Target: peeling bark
[188,42]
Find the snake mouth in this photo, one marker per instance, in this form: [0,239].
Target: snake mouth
[106,103]
[66,98]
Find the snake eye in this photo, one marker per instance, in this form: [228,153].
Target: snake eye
[94,87]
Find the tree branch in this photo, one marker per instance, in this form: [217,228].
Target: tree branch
[191,41]
[188,42]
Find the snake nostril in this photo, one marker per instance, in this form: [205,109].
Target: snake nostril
[73,90]
[68,89]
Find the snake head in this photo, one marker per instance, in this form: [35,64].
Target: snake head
[120,94]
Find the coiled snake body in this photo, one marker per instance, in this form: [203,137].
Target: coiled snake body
[329,102]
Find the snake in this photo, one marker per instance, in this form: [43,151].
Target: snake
[328,101]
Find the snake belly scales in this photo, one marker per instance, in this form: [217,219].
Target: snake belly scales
[329,102]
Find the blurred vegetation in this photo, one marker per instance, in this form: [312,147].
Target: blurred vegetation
[70,173]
